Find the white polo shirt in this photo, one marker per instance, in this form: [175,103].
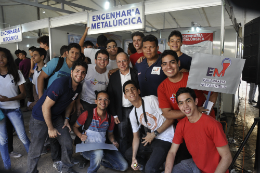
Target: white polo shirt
[9,89]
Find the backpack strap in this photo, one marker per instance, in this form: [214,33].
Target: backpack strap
[58,67]
[89,120]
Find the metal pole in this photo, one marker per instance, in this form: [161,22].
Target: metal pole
[50,47]
[38,18]
[17,46]
[3,17]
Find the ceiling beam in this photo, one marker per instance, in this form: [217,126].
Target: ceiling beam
[74,5]
[174,20]
[35,4]
[205,16]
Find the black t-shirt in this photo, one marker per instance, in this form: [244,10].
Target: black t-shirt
[17,61]
[185,61]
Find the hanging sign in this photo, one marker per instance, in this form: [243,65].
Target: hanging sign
[121,18]
[215,73]
[11,34]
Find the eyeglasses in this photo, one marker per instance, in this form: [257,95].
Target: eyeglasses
[102,59]
[111,47]
[123,61]
[105,99]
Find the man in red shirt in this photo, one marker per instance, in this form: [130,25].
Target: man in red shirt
[137,42]
[204,137]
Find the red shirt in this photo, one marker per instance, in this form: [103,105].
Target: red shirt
[167,94]
[201,139]
[134,57]
[25,67]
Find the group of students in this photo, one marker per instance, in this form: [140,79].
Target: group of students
[145,111]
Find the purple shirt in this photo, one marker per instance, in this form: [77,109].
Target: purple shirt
[25,66]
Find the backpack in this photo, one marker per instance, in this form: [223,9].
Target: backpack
[87,124]
[58,67]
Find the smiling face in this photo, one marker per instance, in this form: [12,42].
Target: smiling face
[122,62]
[3,59]
[102,101]
[78,74]
[73,54]
[175,43]
[112,49]
[170,66]
[187,104]
[101,61]
[137,42]
[150,49]
[131,93]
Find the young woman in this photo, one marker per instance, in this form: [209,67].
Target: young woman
[10,80]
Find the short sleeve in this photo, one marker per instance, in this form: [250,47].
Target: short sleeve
[22,80]
[111,125]
[178,135]
[218,135]
[162,98]
[82,118]
[55,90]
[50,66]
[155,104]
[133,121]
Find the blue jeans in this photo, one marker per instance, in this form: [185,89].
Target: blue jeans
[16,118]
[187,166]
[108,158]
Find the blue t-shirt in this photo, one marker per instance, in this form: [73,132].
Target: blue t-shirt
[62,93]
[150,77]
[50,67]
[185,61]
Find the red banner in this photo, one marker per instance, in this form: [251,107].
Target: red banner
[190,39]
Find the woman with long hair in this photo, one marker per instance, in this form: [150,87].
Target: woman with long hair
[10,80]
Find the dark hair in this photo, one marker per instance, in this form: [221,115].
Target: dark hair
[170,52]
[186,90]
[175,33]
[129,82]
[109,41]
[102,51]
[102,91]
[138,33]
[23,52]
[101,40]
[131,48]
[88,43]
[43,39]
[11,67]
[150,38]
[74,45]
[119,50]
[80,62]
[17,51]
[32,48]
[63,49]
[41,51]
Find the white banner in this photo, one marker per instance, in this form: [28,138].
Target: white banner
[11,34]
[215,73]
[121,18]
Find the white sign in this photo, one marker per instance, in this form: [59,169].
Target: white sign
[94,146]
[215,73]
[11,34]
[121,18]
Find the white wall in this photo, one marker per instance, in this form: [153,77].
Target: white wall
[59,38]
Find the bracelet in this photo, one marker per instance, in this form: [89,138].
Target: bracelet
[67,118]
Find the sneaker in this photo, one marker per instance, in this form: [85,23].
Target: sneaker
[253,101]
[57,165]
[15,155]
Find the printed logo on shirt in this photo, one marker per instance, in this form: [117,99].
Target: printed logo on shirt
[75,96]
[54,93]
[62,74]
[156,70]
[95,81]
[173,98]
[139,73]
[151,121]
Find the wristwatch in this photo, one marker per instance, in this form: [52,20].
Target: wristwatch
[156,133]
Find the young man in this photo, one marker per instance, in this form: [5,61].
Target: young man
[119,106]
[112,50]
[150,74]
[47,117]
[32,63]
[96,133]
[175,43]
[38,57]
[25,66]
[137,38]
[44,43]
[17,60]
[96,80]
[91,52]
[65,70]
[64,51]
[158,133]
[204,137]
[88,44]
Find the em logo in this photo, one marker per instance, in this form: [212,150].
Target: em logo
[214,71]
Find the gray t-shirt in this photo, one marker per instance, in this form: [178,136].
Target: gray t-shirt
[47,59]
